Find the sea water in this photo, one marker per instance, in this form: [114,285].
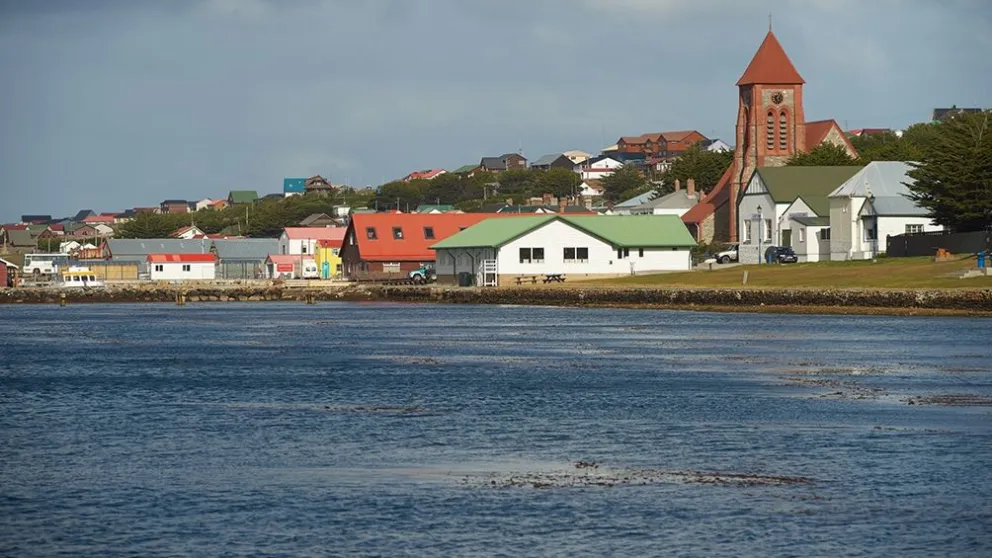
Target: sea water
[392,430]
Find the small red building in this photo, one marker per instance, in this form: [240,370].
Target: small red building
[7,273]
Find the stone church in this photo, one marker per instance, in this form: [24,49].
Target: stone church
[771,128]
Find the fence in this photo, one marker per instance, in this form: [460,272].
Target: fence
[927,244]
[240,270]
[112,271]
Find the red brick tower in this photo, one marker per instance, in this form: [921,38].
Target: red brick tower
[770,120]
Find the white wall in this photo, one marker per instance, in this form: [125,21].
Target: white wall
[295,246]
[173,271]
[798,208]
[600,169]
[813,248]
[891,226]
[769,210]
[845,227]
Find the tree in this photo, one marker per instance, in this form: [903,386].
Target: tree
[444,189]
[953,180]
[823,155]
[518,183]
[560,183]
[624,180]
[397,195]
[703,166]
[147,225]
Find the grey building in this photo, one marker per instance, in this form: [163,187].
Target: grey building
[243,258]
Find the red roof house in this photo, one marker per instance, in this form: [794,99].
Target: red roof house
[181,258]
[382,245]
[429,174]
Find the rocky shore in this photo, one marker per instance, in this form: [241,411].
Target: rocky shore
[847,301]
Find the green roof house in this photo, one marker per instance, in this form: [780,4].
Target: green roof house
[510,250]
[775,197]
[237,197]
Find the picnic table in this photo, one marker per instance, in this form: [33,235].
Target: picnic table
[554,278]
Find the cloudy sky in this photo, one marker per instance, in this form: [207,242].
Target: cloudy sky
[110,104]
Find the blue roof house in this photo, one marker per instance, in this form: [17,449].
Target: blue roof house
[293,186]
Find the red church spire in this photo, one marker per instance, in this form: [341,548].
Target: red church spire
[770,65]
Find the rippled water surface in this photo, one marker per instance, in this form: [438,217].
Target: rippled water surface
[349,429]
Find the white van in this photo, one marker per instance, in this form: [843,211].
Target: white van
[308,270]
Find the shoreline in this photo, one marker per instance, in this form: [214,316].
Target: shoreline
[868,302]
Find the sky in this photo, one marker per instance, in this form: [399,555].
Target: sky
[112,104]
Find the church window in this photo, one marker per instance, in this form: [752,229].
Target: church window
[783,130]
[770,131]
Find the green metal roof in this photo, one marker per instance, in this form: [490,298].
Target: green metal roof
[812,184]
[243,196]
[429,208]
[495,231]
[464,168]
[620,231]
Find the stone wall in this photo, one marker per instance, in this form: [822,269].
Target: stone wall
[807,300]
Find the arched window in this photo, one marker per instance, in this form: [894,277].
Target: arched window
[783,130]
[770,131]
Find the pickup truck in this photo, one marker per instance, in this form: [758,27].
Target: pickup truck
[728,255]
[424,274]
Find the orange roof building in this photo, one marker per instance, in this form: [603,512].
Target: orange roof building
[771,129]
[393,244]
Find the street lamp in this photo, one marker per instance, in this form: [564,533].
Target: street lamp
[761,228]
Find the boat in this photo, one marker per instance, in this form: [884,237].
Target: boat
[78,276]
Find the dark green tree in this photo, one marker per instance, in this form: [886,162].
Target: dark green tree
[397,195]
[561,183]
[705,167]
[823,155]
[444,189]
[517,183]
[147,225]
[622,182]
[953,179]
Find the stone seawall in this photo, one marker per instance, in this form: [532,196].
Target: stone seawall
[963,301]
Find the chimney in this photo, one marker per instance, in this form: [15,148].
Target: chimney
[678,184]
[690,187]
[562,204]
[548,199]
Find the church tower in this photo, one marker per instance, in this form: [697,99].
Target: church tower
[770,120]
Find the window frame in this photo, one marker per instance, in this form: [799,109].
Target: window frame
[398,233]
[525,258]
[429,233]
[371,233]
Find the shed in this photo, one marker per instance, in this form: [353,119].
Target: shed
[7,272]
[243,258]
[181,267]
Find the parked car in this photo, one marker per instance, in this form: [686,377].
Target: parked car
[784,254]
[728,255]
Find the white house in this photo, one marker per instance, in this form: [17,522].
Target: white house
[591,188]
[189,232]
[717,146]
[600,167]
[870,206]
[205,203]
[498,250]
[296,241]
[181,267]
[766,206]
[674,203]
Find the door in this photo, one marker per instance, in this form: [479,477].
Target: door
[787,238]
[325,270]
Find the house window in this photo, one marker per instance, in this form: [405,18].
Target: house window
[532,255]
[623,253]
[398,233]
[159,267]
[371,234]
[802,234]
[825,234]
[914,229]
[303,248]
[335,251]
[538,254]
[576,255]
[392,267]
[768,229]
[747,231]
[525,255]
[429,233]
[186,268]
[640,252]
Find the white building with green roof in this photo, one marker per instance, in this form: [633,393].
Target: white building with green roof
[499,250]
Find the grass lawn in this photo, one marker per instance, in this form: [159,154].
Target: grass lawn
[888,273]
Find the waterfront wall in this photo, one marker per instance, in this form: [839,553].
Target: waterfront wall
[963,300]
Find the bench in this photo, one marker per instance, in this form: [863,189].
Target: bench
[521,279]
[554,278]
